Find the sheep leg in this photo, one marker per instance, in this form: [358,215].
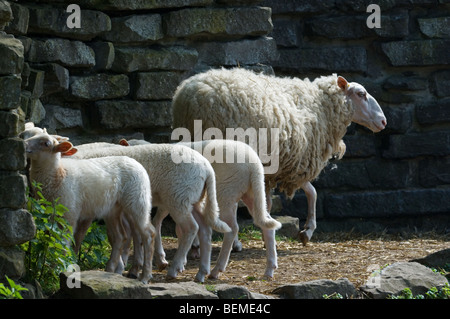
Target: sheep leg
[228,215]
[138,258]
[204,236]
[160,256]
[237,245]
[311,196]
[179,233]
[79,231]
[115,232]
[271,252]
[128,238]
[189,229]
[268,238]
[195,249]
[147,234]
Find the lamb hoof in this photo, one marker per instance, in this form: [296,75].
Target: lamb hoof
[173,271]
[303,237]
[171,276]
[268,277]
[214,274]
[237,246]
[268,274]
[200,277]
[145,279]
[163,266]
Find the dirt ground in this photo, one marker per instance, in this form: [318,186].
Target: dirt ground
[327,256]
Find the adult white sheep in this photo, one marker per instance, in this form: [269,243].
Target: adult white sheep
[312,118]
[102,188]
[181,180]
[239,175]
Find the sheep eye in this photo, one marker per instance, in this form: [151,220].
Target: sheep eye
[362,94]
[48,143]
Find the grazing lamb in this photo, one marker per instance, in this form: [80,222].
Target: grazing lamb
[181,179]
[312,118]
[103,188]
[236,179]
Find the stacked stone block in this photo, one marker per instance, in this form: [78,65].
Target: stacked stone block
[402,171]
[115,76]
[16,223]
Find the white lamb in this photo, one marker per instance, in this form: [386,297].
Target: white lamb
[103,188]
[239,175]
[312,118]
[181,180]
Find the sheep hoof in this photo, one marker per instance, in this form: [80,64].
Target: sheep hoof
[303,237]
[268,277]
[145,279]
[200,277]
[171,277]
[214,274]
[163,266]
[237,246]
[268,274]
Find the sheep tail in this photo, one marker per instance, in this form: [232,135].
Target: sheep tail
[260,214]
[211,210]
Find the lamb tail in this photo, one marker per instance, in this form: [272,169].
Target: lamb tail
[260,215]
[211,211]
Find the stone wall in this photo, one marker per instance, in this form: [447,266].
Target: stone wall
[16,223]
[115,75]
[404,170]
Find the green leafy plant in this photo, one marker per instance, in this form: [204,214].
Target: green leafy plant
[13,292]
[432,293]
[334,295]
[250,232]
[50,252]
[95,249]
[435,293]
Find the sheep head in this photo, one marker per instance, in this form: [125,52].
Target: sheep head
[367,110]
[44,145]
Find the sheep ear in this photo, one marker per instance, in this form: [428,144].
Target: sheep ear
[60,138]
[62,147]
[342,83]
[70,152]
[29,125]
[124,142]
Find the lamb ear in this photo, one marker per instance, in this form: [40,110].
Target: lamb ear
[342,83]
[62,147]
[124,142]
[29,125]
[70,152]
[60,138]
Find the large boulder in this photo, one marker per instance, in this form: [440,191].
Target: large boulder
[94,284]
[438,259]
[225,291]
[392,280]
[316,289]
